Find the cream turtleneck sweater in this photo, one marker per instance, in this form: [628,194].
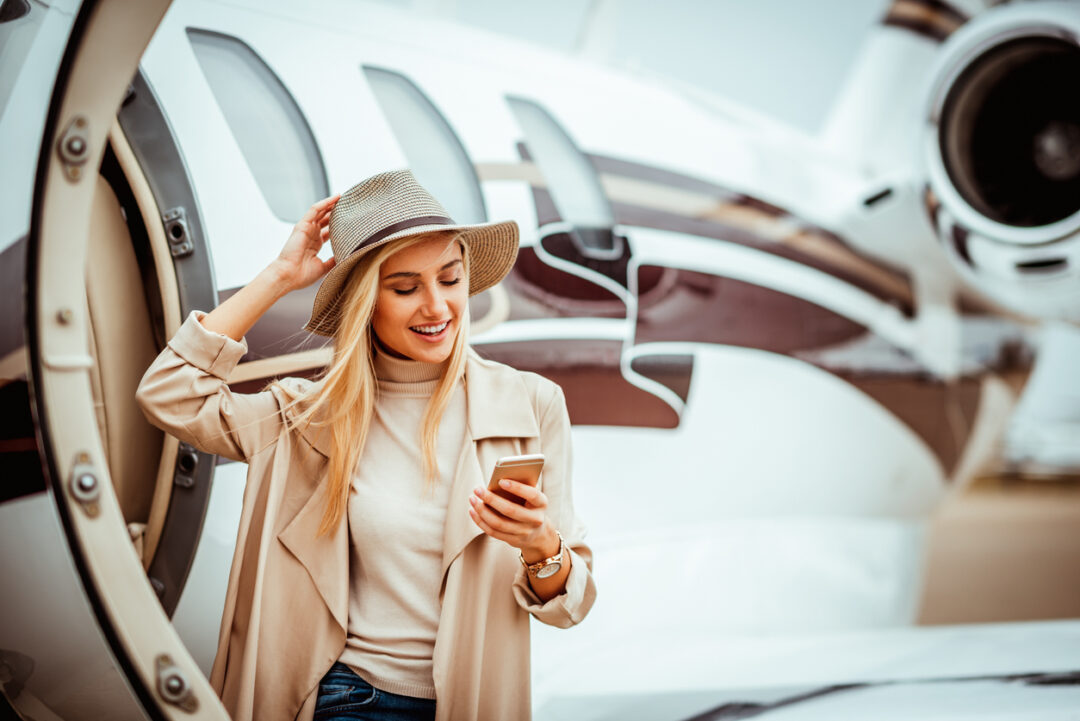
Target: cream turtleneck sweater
[396,532]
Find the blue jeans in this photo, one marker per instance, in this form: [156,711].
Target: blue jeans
[344,696]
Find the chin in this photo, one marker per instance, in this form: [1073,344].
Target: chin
[431,355]
[431,352]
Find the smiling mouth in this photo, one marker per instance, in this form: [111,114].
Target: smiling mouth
[430,329]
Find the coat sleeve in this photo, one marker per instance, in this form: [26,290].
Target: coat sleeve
[570,606]
[184,392]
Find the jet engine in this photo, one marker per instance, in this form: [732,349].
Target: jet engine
[1001,152]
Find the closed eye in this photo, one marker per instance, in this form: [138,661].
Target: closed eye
[405,291]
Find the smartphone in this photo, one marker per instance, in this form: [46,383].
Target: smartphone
[525,469]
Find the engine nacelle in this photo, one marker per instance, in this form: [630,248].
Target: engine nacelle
[1001,150]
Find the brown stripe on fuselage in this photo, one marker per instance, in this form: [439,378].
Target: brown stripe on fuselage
[805,249]
[705,308]
[932,19]
[765,224]
[280,331]
[655,198]
[257,384]
[596,392]
[538,290]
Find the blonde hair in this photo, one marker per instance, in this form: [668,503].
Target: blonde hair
[347,389]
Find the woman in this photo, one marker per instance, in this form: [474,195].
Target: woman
[374,573]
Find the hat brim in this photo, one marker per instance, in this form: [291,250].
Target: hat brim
[492,249]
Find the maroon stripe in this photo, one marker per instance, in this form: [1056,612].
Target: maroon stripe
[705,308]
[919,27]
[939,7]
[626,214]
[767,208]
[395,227]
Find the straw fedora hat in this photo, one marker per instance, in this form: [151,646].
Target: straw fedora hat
[390,206]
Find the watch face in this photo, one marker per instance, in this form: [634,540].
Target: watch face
[549,570]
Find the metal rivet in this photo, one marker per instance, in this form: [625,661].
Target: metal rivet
[76,146]
[86,483]
[65,316]
[84,486]
[173,685]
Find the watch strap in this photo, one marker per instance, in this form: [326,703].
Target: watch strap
[534,568]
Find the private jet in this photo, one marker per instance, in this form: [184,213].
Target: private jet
[781,352]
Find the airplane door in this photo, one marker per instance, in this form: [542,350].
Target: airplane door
[82,632]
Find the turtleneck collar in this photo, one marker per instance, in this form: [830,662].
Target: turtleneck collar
[404,370]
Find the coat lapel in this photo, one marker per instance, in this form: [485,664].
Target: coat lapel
[497,405]
[326,558]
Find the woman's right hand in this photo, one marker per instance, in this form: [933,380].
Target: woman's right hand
[298,265]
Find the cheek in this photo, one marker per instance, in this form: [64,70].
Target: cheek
[459,299]
[390,313]
[458,306]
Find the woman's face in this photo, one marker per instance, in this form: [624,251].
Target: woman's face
[423,294]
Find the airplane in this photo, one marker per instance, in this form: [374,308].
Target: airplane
[780,352]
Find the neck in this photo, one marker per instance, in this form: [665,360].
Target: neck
[387,349]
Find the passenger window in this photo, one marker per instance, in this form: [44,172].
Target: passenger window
[432,149]
[571,178]
[272,132]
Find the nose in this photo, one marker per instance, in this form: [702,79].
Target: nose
[435,305]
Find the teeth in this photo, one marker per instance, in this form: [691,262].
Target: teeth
[431,329]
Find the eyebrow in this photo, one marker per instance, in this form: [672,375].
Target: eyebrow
[409,274]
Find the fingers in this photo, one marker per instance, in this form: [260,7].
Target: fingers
[534,497]
[509,509]
[505,516]
[324,206]
[486,528]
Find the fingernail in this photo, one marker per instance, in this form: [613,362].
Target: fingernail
[504,483]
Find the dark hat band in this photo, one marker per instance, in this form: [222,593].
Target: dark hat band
[395,227]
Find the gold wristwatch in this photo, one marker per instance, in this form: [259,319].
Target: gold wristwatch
[549,566]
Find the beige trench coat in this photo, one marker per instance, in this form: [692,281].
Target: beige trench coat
[286,609]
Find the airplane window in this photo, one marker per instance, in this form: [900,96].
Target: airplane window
[433,150]
[571,178]
[273,135]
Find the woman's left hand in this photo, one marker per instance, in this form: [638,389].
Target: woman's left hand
[525,527]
